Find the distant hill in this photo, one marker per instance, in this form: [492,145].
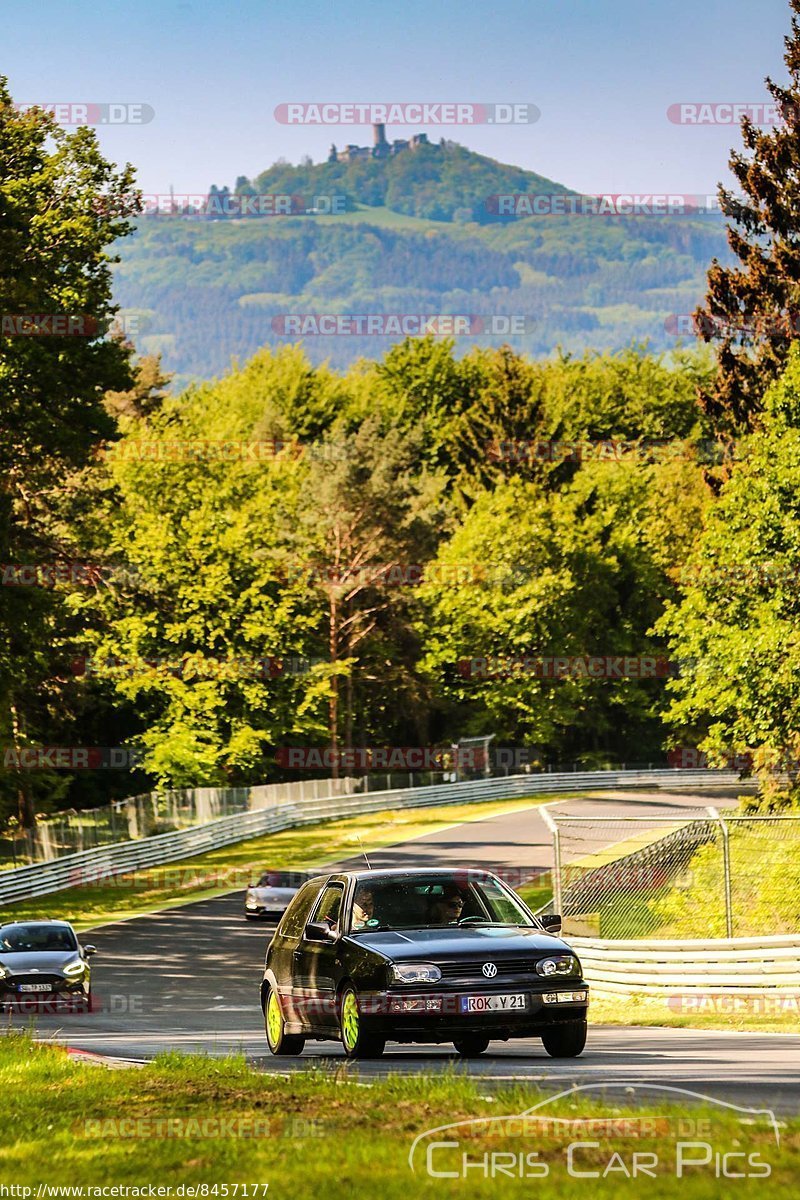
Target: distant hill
[442,182]
[420,233]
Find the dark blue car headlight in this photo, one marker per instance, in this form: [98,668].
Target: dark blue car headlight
[558,965]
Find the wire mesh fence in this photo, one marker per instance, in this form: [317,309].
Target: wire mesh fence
[691,873]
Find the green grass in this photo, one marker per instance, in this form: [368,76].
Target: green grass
[762,1014]
[192,1120]
[232,867]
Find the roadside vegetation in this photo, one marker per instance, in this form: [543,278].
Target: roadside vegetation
[218,1121]
[764,1013]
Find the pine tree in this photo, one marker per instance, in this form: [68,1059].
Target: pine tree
[752,308]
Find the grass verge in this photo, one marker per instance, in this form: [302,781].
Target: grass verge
[216,872]
[216,1123]
[740,1014]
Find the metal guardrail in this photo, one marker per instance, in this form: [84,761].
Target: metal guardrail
[90,866]
[661,969]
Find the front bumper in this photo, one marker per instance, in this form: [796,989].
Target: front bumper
[438,1016]
[11,991]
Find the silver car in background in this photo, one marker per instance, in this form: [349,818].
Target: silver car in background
[272,894]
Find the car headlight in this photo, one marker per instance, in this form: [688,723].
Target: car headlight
[559,964]
[4,971]
[73,969]
[415,973]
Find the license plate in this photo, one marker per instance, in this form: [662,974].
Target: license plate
[479,1004]
[35,987]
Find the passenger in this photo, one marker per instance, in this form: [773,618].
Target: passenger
[363,907]
[447,908]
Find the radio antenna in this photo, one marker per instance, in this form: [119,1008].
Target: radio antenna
[363,851]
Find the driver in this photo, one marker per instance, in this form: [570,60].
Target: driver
[446,909]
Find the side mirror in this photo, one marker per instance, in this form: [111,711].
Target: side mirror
[317,931]
[88,951]
[551,922]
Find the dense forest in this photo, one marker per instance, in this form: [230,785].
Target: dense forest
[591,554]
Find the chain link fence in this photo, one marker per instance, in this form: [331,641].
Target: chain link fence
[691,873]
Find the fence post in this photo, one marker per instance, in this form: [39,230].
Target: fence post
[553,827]
[726,867]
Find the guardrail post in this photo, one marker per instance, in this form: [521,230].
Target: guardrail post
[553,827]
[726,868]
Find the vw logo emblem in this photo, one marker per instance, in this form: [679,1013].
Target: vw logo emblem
[489,970]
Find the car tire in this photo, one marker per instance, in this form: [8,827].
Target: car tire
[357,1042]
[565,1041]
[279,1041]
[471,1045]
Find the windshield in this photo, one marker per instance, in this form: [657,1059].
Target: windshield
[282,879]
[424,902]
[29,939]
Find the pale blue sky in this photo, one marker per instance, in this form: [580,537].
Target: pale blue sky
[603,73]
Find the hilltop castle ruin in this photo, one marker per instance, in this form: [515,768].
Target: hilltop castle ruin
[380,148]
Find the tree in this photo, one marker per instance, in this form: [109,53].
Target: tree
[752,309]
[368,522]
[736,625]
[576,573]
[61,207]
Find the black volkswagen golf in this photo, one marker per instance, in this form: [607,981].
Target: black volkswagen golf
[419,956]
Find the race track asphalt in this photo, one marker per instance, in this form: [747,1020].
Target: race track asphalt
[188,979]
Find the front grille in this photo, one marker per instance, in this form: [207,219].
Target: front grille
[51,980]
[473,968]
